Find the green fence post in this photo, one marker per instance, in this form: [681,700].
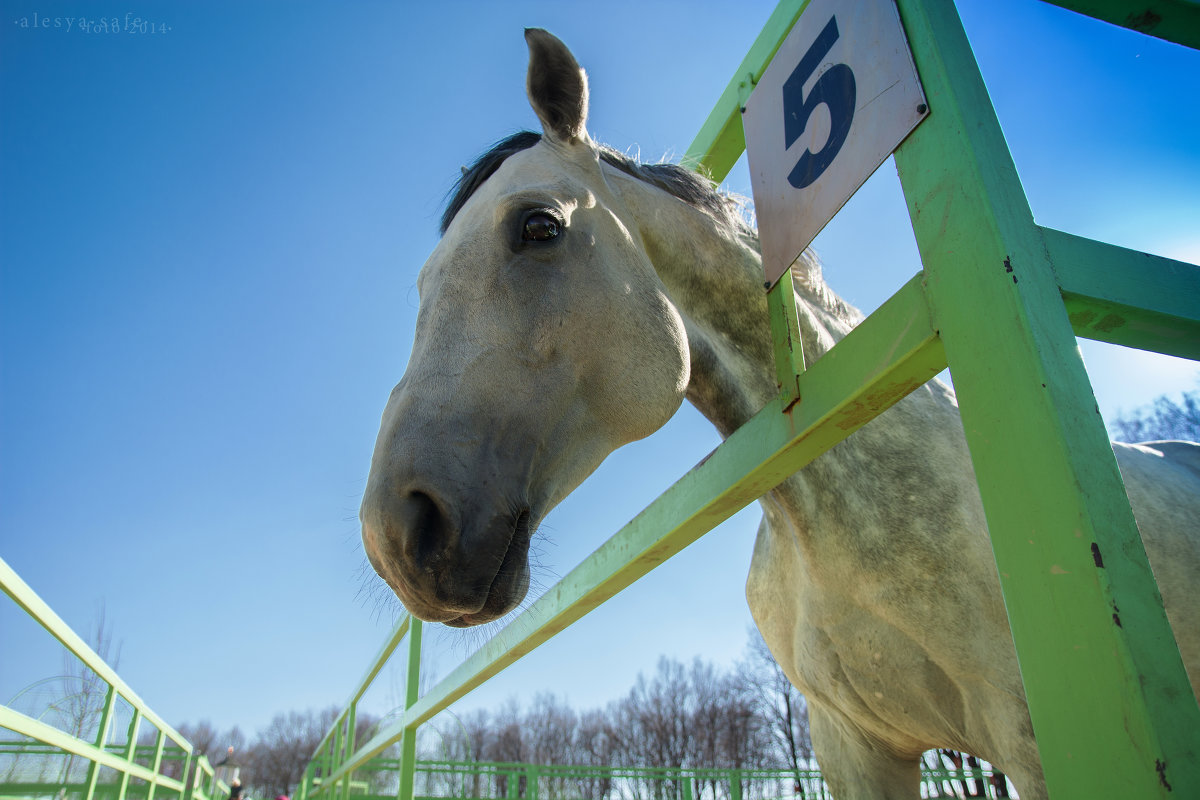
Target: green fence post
[337,756]
[348,746]
[156,763]
[93,773]
[1110,702]
[408,743]
[532,776]
[187,776]
[130,752]
[214,785]
[305,782]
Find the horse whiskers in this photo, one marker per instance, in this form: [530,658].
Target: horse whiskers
[541,575]
[374,594]
[469,640]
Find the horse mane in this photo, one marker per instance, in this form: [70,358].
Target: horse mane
[681,182]
[688,185]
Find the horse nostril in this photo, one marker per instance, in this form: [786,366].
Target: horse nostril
[424,528]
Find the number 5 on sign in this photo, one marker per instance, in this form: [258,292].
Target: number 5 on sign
[840,95]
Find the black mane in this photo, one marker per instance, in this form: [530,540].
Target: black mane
[689,186]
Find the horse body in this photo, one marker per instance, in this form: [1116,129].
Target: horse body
[873,580]
[573,303]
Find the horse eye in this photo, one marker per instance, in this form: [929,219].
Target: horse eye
[539,228]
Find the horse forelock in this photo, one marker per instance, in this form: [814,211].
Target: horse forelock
[685,184]
[681,182]
[483,168]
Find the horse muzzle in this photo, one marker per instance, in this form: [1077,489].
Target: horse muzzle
[461,564]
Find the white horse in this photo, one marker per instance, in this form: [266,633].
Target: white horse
[575,299]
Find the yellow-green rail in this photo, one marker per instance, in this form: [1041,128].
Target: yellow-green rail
[167,769]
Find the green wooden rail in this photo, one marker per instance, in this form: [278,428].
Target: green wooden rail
[141,771]
[522,781]
[1000,301]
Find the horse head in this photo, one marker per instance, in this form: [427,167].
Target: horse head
[544,341]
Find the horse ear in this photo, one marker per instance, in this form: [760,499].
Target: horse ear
[557,88]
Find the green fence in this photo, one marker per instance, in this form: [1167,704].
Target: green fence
[387,766]
[1041,453]
[112,746]
[511,781]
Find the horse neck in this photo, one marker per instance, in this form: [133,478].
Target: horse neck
[713,274]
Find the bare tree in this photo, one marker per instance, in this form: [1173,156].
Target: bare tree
[507,743]
[1162,420]
[688,717]
[174,759]
[477,731]
[550,728]
[660,710]
[208,741]
[204,738]
[596,744]
[73,702]
[275,762]
[84,693]
[451,737]
[681,716]
[783,708]
[726,728]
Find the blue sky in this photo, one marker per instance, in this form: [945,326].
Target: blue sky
[209,239]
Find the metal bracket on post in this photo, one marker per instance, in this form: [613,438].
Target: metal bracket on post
[785,338]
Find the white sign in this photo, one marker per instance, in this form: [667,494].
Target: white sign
[839,96]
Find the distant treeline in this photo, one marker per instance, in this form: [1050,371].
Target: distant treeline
[684,715]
